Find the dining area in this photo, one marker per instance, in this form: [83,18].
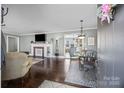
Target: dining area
[87,61]
[84,65]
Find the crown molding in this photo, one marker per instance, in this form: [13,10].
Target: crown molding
[50,32]
[64,31]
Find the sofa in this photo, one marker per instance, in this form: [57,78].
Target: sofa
[16,65]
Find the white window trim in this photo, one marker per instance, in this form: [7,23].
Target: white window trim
[91,41]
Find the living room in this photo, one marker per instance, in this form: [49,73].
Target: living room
[60,45]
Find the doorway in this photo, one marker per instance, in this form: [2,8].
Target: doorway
[12,44]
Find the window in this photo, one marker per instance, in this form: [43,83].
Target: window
[91,41]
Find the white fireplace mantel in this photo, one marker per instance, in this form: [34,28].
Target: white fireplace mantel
[46,48]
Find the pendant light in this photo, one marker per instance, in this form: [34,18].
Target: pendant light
[81,36]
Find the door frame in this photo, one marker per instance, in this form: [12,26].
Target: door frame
[7,42]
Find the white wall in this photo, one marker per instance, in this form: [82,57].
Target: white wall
[25,42]
[60,38]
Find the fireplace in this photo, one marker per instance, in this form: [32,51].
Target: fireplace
[39,52]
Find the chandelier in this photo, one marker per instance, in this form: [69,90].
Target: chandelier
[81,36]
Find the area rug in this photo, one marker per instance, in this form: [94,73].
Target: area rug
[84,78]
[52,84]
[36,60]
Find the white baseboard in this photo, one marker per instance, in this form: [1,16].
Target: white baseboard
[55,56]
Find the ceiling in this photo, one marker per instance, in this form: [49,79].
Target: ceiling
[41,18]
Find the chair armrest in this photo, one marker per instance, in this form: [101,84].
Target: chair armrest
[28,62]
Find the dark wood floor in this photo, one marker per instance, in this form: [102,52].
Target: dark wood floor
[54,69]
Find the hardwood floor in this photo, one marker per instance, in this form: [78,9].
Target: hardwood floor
[54,69]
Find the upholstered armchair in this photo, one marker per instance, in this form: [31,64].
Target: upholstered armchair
[17,65]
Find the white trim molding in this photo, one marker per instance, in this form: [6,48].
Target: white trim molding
[17,38]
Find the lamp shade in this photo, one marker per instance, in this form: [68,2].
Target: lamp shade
[81,36]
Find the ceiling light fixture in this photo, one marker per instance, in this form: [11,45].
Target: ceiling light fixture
[81,36]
